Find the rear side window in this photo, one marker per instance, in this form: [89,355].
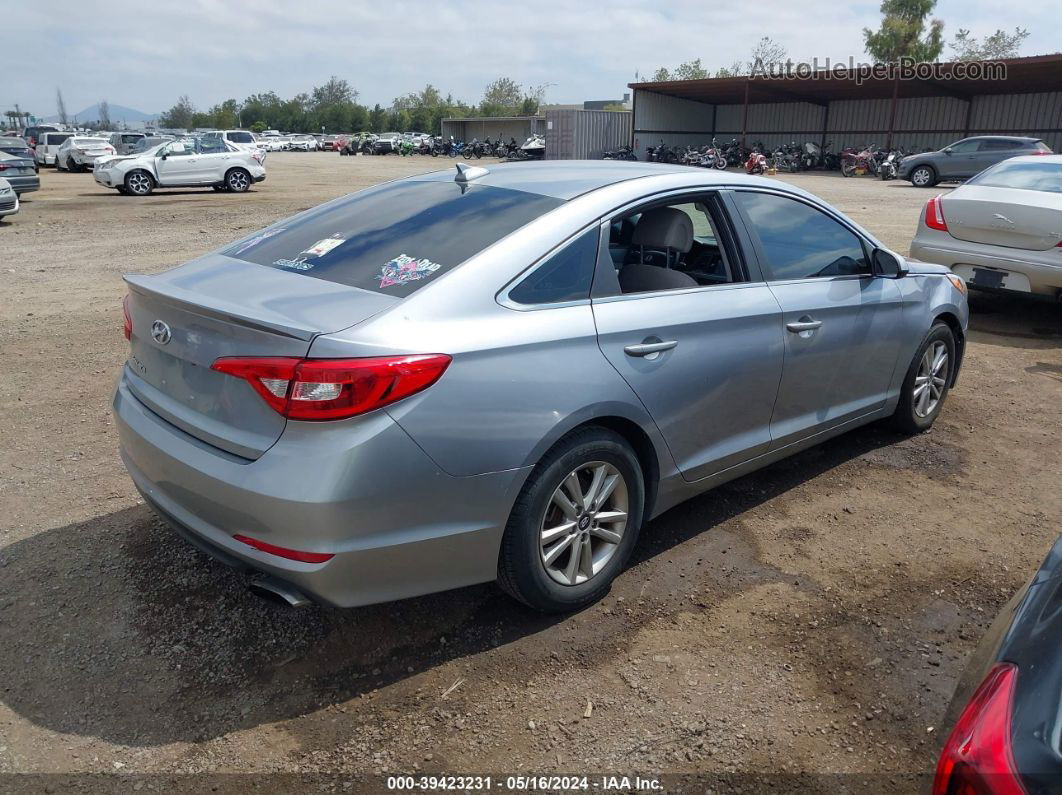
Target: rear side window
[801,242]
[999,144]
[1025,176]
[565,276]
[394,238]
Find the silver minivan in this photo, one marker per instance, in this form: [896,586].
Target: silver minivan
[124,143]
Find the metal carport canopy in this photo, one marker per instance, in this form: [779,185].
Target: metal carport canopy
[1040,73]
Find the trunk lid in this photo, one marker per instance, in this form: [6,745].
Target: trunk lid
[218,306]
[1004,217]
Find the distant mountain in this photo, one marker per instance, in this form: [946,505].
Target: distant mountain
[117,112]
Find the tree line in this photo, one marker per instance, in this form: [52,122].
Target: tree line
[334,107]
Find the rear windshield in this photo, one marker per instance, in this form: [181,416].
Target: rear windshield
[54,139]
[89,142]
[241,137]
[129,139]
[1026,176]
[395,238]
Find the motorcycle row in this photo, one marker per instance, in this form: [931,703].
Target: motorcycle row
[532,149]
[792,157]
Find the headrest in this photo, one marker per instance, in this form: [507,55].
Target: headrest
[664,227]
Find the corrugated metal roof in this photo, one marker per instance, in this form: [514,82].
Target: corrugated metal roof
[1038,73]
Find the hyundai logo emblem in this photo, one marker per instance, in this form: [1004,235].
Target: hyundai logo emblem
[160,332]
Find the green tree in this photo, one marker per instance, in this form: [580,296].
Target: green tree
[903,32]
[501,98]
[992,48]
[179,117]
[259,127]
[377,118]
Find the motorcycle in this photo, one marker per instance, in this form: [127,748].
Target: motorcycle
[756,162]
[623,153]
[890,166]
[661,154]
[855,163]
[812,156]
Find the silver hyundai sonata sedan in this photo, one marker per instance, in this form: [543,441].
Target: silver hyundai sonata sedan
[502,374]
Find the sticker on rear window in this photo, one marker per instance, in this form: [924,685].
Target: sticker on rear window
[322,247]
[404,269]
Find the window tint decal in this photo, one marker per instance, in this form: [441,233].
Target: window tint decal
[404,269]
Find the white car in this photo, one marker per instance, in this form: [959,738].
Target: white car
[302,143]
[76,154]
[208,161]
[271,143]
[8,198]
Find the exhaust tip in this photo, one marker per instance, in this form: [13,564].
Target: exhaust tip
[278,592]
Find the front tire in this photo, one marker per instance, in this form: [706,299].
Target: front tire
[237,180]
[927,383]
[924,177]
[139,183]
[575,523]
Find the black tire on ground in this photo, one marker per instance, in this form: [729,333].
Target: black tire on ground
[907,418]
[924,177]
[237,180]
[521,570]
[139,182]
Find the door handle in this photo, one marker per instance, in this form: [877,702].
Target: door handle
[797,326]
[650,348]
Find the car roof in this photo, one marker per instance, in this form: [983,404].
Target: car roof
[1003,137]
[566,179]
[1056,159]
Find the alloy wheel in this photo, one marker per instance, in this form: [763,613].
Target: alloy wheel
[238,181]
[920,177]
[584,523]
[931,379]
[139,183]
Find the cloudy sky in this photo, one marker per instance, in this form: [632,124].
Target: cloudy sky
[143,54]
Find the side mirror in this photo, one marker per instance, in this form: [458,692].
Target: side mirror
[947,150]
[888,265]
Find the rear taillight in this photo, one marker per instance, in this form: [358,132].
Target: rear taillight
[935,214]
[333,389]
[4,166]
[127,326]
[978,758]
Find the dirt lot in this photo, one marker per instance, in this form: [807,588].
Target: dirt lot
[809,619]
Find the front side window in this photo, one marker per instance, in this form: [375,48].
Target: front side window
[799,241]
[564,276]
[965,147]
[394,238]
[177,149]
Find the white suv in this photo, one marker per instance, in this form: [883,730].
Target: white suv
[302,143]
[241,139]
[209,161]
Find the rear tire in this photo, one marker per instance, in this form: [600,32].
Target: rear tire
[237,180]
[598,544]
[927,382]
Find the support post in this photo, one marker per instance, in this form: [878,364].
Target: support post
[745,115]
[892,112]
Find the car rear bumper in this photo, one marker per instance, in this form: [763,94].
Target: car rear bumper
[361,490]
[1038,272]
[25,183]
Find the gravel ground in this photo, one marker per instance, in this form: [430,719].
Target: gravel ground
[808,621]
